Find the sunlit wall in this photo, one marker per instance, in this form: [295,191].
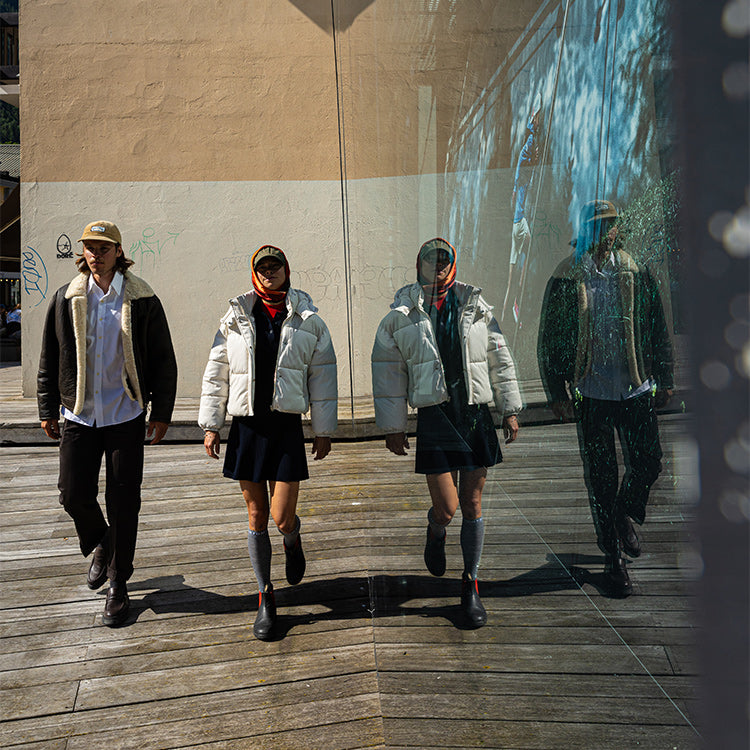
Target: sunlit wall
[347,133]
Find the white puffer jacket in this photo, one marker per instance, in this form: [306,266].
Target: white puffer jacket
[406,363]
[305,368]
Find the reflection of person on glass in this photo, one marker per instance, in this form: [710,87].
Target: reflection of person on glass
[603,336]
[271,359]
[440,349]
[521,236]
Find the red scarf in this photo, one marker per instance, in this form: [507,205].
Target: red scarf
[434,292]
[271,298]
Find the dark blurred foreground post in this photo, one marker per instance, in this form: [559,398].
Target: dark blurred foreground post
[711,114]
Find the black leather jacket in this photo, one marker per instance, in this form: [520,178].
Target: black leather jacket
[150,364]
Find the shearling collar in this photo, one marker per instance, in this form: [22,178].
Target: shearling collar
[135,287]
[77,293]
[569,268]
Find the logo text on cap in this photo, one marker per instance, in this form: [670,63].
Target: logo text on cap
[98,229]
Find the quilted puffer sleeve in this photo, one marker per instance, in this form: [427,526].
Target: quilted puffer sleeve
[215,389]
[390,378]
[322,384]
[502,371]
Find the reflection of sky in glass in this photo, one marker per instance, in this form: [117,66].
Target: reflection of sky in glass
[602,131]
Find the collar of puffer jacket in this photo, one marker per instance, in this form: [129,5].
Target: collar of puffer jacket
[297,301]
[411,296]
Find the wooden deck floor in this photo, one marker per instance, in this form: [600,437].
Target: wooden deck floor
[371,651]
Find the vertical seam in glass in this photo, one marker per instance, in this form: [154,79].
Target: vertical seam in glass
[344,211]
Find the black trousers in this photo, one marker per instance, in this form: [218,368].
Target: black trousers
[81,451]
[636,425]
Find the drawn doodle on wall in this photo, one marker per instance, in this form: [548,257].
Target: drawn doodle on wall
[150,245]
[368,282]
[546,234]
[64,247]
[234,263]
[34,274]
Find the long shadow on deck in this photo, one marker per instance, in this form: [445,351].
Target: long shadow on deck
[354,598]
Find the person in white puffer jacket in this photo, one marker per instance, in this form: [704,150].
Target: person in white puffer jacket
[272,359]
[440,350]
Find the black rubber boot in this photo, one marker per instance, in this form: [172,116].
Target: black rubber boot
[471,604]
[434,553]
[266,617]
[295,562]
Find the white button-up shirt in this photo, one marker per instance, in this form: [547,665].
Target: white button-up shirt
[106,402]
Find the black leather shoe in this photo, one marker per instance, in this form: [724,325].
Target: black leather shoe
[266,617]
[98,569]
[471,604]
[295,562]
[117,605]
[434,553]
[616,576]
[631,545]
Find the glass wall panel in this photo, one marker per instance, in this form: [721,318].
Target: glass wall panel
[494,128]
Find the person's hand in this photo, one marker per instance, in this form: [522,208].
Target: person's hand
[51,428]
[211,443]
[510,428]
[564,411]
[397,443]
[158,430]
[321,447]
[662,397]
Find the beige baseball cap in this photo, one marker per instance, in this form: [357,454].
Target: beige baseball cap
[598,209]
[102,230]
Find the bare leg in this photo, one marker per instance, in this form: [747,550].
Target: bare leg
[444,493]
[255,495]
[470,494]
[284,505]
[512,284]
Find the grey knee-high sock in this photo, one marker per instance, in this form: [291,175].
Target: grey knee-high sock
[472,541]
[259,547]
[290,539]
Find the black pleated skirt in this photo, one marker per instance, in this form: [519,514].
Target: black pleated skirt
[452,436]
[266,447]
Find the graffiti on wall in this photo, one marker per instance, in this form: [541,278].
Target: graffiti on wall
[64,247]
[147,249]
[34,275]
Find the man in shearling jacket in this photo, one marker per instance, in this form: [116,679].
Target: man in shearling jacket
[106,355]
[604,346]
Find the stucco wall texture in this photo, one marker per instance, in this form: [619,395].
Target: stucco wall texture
[206,131]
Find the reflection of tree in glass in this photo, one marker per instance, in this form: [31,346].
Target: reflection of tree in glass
[650,224]
[642,66]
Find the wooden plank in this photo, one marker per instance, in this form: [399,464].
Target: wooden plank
[372,650]
[531,735]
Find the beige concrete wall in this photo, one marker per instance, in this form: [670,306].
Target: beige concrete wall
[348,140]
[180,90]
[205,132]
[175,90]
